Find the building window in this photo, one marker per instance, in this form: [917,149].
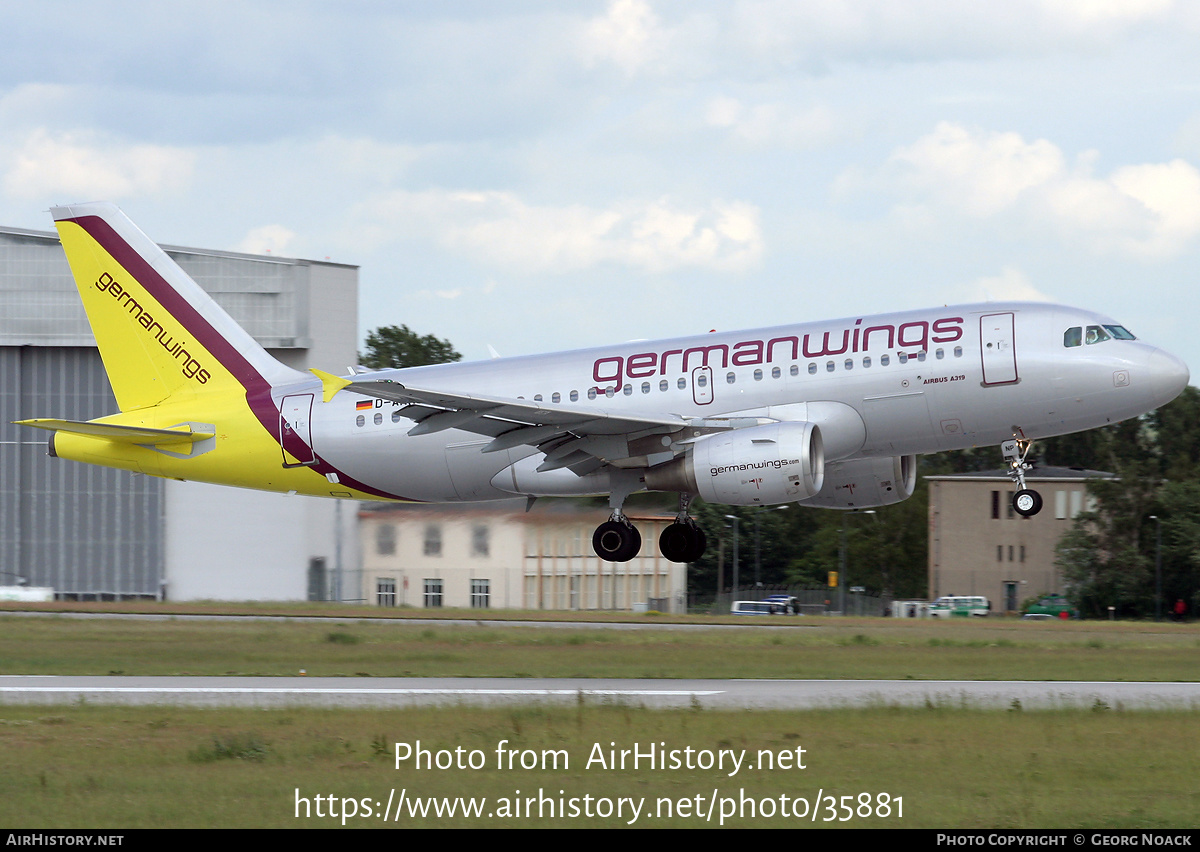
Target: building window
[480,545]
[385,539]
[995,505]
[481,594]
[1012,513]
[433,540]
[999,552]
[433,593]
[385,591]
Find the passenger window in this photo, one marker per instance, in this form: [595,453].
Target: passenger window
[702,381]
[940,354]
[662,386]
[608,392]
[758,375]
[957,351]
[884,360]
[645,387]
[396,415]
[795,371]
[812,369]
[849,365]
[830,366]
[682,384]
[775,374]
[537,397]
[867,361]
[627,390]
[556,398]
[903,357]
[730,378]
[591,393]
[1073,337]
[574,396]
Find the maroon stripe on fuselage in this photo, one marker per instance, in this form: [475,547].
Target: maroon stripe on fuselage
[258,389]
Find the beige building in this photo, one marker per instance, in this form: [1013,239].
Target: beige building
[498,556]
[979,546]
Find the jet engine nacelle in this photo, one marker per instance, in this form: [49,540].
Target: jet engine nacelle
[863,483]
[773,463]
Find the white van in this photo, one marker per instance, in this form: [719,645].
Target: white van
[960,606]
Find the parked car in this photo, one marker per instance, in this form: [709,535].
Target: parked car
[1051,606]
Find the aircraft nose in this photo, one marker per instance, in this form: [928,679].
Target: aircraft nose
[1168,375]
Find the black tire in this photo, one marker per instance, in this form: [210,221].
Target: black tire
[616,542]
[682,542]
[699,545]
[1027,502]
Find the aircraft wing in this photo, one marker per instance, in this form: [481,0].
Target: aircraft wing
[575,437]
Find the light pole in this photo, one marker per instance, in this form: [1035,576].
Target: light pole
[735,520]
[1157,567]
[757,547]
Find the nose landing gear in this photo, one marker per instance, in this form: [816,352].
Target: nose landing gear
[1026,502]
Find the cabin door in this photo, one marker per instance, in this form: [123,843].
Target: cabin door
[295,430]
[997,349]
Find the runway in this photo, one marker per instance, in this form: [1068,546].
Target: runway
[708,694]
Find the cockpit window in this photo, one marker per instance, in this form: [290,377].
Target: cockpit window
[1073,336]
[1120,332]
[1096,334]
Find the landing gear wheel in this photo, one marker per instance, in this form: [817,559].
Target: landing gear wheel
[616,541]
[682,542]
[1027,502]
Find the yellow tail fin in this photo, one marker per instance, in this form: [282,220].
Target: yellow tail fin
[159,334]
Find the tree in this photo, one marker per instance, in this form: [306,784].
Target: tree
[400,346]
[1108,558]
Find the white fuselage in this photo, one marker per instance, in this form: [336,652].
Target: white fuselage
[879,386]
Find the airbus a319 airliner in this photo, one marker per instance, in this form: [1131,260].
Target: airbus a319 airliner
[825,414]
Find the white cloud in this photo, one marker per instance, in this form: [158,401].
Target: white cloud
[979,173]
[1149,210]
[269,239]
[1010,285]
[500,228]
[628,35]
[76,167]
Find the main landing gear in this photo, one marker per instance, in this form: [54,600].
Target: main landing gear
[1026,502]
[683,541]
[618,540]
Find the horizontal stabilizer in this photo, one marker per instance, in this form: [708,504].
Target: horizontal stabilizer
[113,432]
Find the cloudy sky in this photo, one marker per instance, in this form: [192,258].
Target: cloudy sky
[545,175]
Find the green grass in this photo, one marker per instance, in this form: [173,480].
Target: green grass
[120,767]
[809,648]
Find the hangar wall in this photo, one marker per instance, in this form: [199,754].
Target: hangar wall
[96,533]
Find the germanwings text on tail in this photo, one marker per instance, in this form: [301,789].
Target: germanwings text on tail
[826,414]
